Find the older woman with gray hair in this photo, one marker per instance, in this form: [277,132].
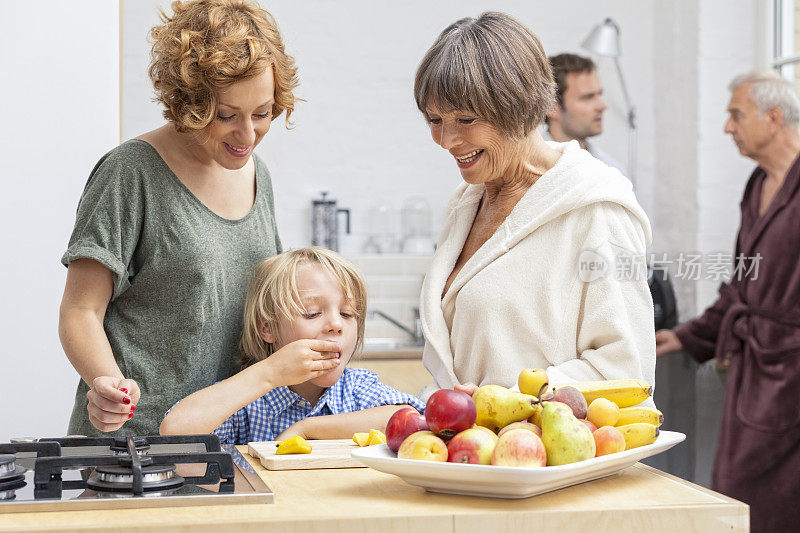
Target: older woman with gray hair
[541,260]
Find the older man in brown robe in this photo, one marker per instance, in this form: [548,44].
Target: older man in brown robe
[754,326]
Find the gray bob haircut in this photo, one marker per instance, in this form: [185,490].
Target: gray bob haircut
[768,90]
[492,66]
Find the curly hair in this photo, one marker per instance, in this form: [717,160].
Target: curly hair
[207,45]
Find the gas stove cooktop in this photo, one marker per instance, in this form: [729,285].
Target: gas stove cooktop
[73,473]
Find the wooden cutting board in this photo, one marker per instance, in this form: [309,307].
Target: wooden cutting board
[324,454]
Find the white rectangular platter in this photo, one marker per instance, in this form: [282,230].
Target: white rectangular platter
[324,454]
[506,481]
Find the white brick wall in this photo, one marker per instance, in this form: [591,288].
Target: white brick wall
[360,137]
[393,287]
[725,50]
[700,175]
[359,134]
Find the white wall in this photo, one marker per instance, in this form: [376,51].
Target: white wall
[725,50]
[700,176]
[674,216]
[359,134]
[60,92]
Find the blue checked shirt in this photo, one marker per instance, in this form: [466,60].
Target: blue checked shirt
[270,415]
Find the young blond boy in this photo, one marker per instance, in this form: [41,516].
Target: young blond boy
[303,321]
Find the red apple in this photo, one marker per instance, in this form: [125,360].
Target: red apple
[589,425]
[608,439]
[423,446]
[521,425]
[449,412]
[473,446]
[402,424]
[519,447]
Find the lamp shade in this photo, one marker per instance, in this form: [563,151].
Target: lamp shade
[604,39]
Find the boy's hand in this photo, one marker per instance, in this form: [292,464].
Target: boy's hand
[299,361]
[295,429]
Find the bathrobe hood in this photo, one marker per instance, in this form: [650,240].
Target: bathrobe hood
[576,181]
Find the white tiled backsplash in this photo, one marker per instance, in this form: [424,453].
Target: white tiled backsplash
[393,283]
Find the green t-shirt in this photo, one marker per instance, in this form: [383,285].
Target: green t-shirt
[180,278]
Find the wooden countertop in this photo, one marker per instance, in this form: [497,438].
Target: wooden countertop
[363,500]
[407,352]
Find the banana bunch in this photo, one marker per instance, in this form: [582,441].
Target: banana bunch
[638,424]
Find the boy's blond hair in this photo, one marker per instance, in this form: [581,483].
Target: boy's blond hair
[273,296]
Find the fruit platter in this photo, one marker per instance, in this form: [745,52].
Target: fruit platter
[502,443]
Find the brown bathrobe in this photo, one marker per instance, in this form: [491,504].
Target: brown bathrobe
[754,327]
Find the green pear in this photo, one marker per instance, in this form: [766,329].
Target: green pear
[566,439]
[498,407]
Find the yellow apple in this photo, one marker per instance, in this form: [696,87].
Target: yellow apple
[423,446]
[603,412]
[530,381]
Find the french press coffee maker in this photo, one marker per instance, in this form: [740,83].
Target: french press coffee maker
[325,223]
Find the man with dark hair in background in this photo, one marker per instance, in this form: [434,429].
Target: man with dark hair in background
[578,111]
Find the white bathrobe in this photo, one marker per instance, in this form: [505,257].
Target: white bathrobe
[523,301]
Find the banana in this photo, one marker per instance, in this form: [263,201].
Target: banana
[623,392]
[639,413]
[639,434]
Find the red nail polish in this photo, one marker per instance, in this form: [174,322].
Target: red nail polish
[133,408]
[130,416]
[123,389]
[126,400]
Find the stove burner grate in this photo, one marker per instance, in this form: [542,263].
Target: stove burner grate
[12,477]
[120,446]
[121,478]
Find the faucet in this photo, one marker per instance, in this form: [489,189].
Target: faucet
[415,334]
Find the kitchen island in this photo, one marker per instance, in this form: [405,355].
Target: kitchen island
[364,500]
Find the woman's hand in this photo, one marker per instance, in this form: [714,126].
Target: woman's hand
[667,342]
[300,361]
[467,387]
[295,429]
[112,402]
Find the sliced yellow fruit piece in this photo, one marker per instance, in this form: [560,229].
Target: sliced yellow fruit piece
[296,444]
[376,437]
[361,438]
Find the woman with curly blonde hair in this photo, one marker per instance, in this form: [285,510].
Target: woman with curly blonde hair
[171,224]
